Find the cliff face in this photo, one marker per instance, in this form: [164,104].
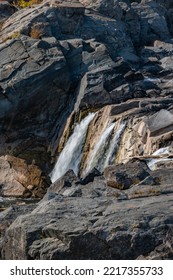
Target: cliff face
[61,60]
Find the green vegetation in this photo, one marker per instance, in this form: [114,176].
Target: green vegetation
[14,35]
[24,3]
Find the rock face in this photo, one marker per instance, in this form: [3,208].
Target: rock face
[17,179]
[70,73]
[94,222]
[6,10]
[146,135]
[59,61]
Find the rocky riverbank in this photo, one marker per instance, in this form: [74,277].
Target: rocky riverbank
[60,61]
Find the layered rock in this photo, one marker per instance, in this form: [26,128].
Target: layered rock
[61,60]
[94,222]
[146,135]
[6,10]
[42,78]
[89,77]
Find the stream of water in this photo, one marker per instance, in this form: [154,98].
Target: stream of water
[98,150]
[71,155]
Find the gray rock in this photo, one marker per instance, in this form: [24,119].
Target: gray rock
[64,56]
[125,175]
[6,10]
[8,216]
[90,228]
[153,24]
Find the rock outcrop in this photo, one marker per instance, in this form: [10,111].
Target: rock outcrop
[17,179]
[59,61]
[6,10]
[95,221]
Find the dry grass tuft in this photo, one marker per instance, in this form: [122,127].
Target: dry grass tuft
[35,33]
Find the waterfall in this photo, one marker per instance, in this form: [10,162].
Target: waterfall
[98,150]
[71,155]
[162,151]
[113,145]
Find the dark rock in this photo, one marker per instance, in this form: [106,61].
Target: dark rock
[90,228]
[125,175]
[8,216]
[90,177]
[132,76]
[104,85]
[63,183]
[163,251]
[61,57]
[153,24]
[6,10]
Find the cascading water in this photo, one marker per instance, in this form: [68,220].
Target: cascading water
[71,155]
[162,151]
[99,150]
[113,145]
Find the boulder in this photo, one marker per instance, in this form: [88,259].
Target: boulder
[159,123]
[125,175]
[90,176]
[63,183]
[18,179]
[163,251]
[8,216]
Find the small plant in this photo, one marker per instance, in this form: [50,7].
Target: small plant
[26,3]
[154,192]
[23,4]
[35,33]
[14,35]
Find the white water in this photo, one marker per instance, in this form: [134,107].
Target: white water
[162,151]
[156,80]
[113,145]
[71,155]
[98,150]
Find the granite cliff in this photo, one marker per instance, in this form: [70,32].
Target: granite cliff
[61,61]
